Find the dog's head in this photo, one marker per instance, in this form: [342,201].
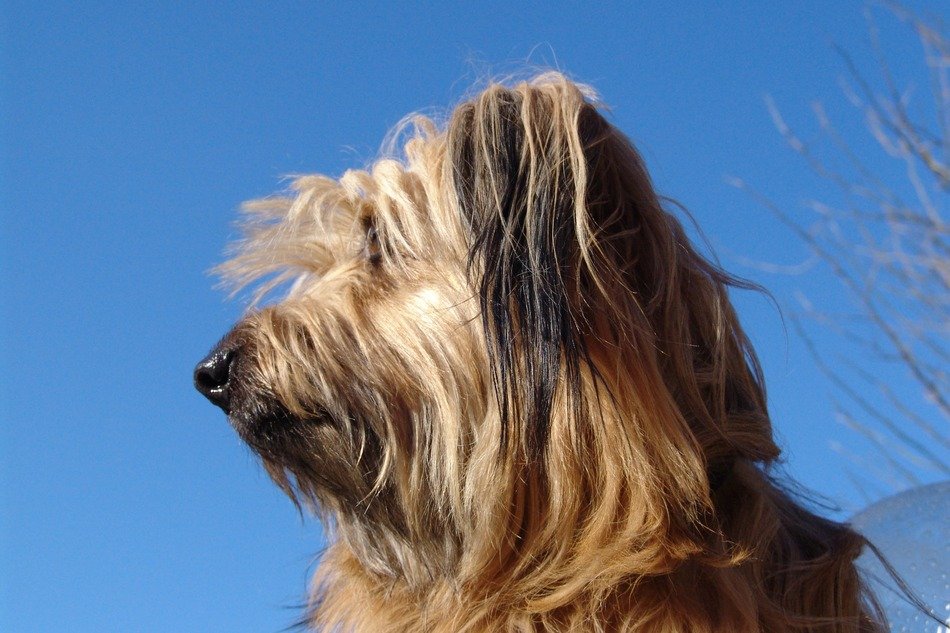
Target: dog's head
[496,354]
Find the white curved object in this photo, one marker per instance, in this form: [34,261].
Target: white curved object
[912,530]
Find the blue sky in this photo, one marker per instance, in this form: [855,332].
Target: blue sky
[130,136]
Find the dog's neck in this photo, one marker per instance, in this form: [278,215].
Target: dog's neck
[385,583]
[347,592]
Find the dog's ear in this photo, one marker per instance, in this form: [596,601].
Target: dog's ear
[522,161]
[581,273]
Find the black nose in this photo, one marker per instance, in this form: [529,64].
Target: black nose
[212,377]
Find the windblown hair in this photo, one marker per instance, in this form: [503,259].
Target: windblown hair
[519,397]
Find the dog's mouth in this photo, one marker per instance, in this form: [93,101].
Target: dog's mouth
[263,422]
[303,455]
[260,420]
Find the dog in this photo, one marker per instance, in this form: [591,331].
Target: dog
[516,393]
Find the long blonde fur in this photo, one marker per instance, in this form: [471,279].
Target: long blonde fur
[519,397]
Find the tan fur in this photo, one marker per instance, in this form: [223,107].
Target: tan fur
[529,406]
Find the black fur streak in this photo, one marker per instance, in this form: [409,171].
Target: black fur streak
[532,323]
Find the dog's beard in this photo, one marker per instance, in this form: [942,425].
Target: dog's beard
[290,447]
[303,453]
[326,458]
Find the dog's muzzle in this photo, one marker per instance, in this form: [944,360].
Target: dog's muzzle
[213,376]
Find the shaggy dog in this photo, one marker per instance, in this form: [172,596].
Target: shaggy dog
[517,394]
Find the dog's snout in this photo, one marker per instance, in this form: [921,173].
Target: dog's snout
[213,376]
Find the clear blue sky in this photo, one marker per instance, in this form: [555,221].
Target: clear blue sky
[130,136]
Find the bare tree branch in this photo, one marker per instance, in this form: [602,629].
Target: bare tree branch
[885,238]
